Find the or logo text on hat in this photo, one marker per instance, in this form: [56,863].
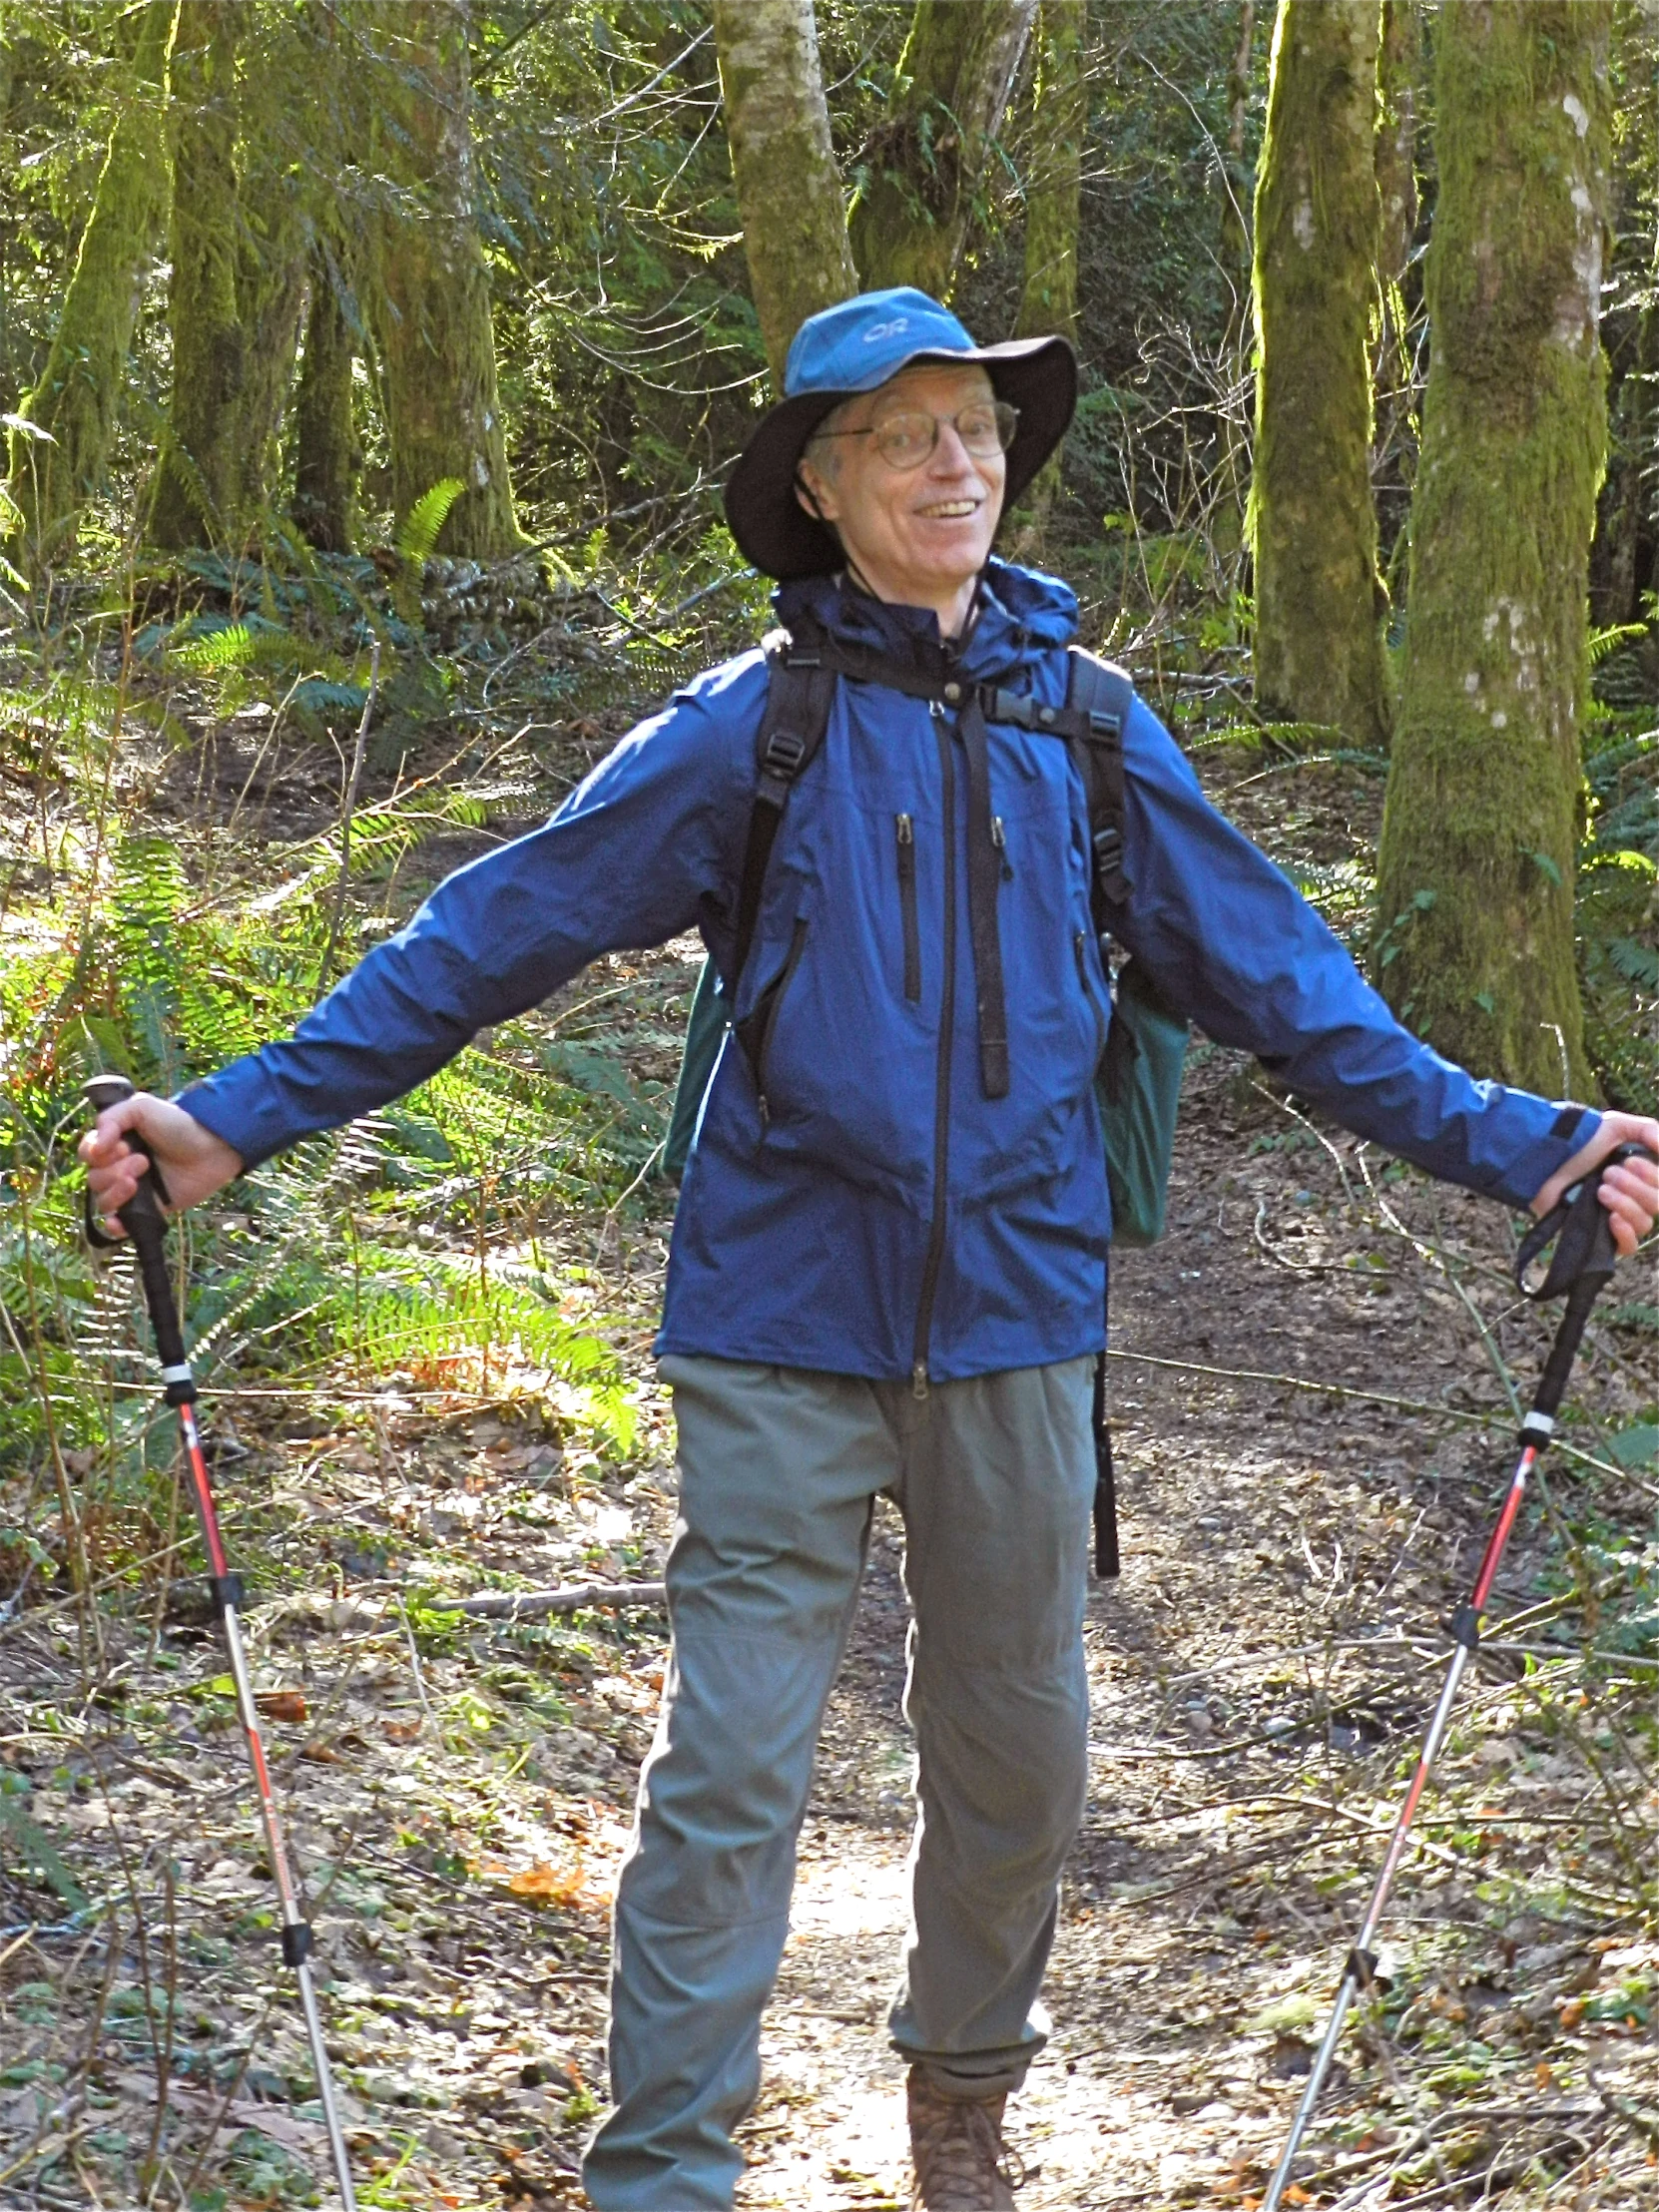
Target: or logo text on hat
[878,330]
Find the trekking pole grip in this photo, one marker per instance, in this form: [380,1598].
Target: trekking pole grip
[1581,1264]
[143,1221]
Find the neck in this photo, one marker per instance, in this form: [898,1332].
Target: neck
[951,607]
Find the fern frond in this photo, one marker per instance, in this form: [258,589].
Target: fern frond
[421,525]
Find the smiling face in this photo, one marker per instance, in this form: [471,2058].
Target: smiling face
[920,536]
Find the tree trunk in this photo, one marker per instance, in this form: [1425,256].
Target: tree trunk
[1054,189]
[1319,596]
[429,302]
[925,159]
[328,457]
[270,295]
[197,496]
[1396,136]
[1232,497]
[1475,937]
[1053,200]
[1614,595]
[79,393]
[1234,227]
[788,187]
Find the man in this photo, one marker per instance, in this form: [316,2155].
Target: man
[889,1256]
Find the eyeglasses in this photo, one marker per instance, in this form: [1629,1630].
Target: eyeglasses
[907,440]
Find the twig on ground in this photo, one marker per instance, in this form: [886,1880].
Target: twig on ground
[570,1597]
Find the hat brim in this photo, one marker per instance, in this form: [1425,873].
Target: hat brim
[777,534]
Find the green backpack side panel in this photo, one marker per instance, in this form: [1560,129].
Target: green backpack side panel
[705,1034]
[1139,1092]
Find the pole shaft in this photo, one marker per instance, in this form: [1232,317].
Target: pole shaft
[1433,1738]
[294,1924]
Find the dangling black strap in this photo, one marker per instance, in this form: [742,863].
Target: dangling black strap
[799,698]
[1105,1484]
[984,883]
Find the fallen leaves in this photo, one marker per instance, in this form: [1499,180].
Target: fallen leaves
[281,1704]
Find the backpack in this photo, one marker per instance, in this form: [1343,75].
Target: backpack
[1138,1081]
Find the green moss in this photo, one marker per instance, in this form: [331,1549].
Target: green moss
[788,187]
[1483,793]
[78,398]
[923,165]
[1320,600]
[429,298]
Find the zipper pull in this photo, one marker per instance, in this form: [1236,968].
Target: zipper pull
[919,1379]
[1000,837]
[905,828]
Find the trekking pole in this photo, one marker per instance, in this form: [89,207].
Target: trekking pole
[146,1224]
[1581,1266]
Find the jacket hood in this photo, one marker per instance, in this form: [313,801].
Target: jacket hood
[1020,612]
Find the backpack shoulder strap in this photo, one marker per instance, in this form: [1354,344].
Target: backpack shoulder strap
[799,694]
[1103,694]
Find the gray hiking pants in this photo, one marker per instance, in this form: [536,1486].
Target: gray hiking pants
[779,1471]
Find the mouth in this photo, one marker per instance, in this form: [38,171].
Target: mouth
[950,510]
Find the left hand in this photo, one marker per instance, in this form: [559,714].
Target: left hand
[1630,1192]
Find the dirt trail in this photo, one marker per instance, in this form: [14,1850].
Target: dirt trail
[1261,1672]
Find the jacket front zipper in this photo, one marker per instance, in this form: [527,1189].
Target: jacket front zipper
[942,1087]
[905,829]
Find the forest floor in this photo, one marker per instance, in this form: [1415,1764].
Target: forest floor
[1309,1400]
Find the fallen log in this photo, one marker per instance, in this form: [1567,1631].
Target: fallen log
[570,1597]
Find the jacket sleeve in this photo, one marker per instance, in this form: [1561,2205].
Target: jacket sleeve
[644,849]
[1231,943]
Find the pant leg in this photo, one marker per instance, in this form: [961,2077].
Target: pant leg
[778,1471]
[997,1492]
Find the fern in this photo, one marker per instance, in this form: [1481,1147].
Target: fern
[1638,964]
[426,518]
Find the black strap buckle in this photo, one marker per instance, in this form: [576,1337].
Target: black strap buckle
[1105,729]
[784,751]
[1108,849]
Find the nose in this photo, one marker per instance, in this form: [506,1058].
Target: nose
[949,457]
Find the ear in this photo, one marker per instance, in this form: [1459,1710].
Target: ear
[813,491]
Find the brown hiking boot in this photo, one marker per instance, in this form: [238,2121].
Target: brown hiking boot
[956,2145]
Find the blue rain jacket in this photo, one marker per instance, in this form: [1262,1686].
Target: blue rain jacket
[880,1214]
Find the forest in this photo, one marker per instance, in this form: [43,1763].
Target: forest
[370,373]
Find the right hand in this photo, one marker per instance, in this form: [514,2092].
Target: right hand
[193,1162]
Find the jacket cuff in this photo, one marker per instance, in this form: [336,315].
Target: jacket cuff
[1525,1175]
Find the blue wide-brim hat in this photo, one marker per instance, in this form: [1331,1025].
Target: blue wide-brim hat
[856,347]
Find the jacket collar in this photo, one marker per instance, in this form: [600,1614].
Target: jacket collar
[1020,614]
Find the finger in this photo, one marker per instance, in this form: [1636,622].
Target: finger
[1633,1195]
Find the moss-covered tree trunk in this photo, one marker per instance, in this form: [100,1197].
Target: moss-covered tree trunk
[1319,597]
[429,298]
[1475,871]
[924,161]
[78,398]
[197,495]
[271,298]
[327,460]
[1055,188]
[1053,203]
[788,187]
[1396,136]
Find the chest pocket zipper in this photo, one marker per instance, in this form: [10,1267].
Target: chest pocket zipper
[906,835]
[1079,949]
[755,1031]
